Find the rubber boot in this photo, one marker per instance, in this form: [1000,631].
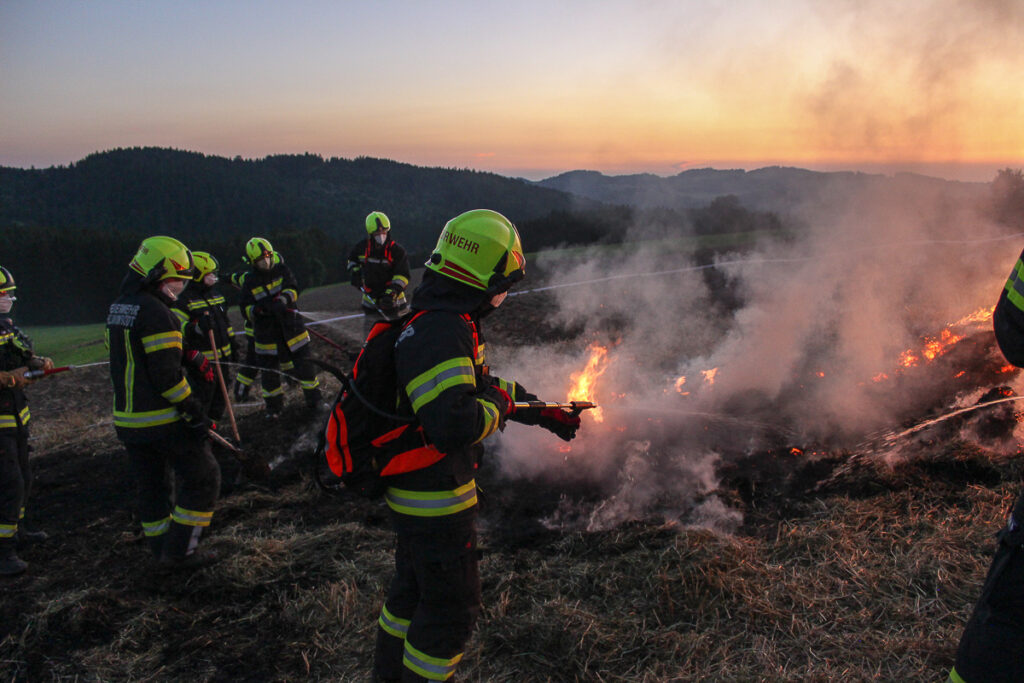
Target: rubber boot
[156,545]
[10,563]
[275,404]
[27,538]
[314,401]
[180,552]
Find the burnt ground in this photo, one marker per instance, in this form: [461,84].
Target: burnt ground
[843,564]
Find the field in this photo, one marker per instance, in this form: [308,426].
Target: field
[846,565]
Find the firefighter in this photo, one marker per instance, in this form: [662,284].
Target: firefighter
[16,357]
[247,370]
[379,268]
[269,296]
[434,597]
[201,311]
[157,415]
[992,645]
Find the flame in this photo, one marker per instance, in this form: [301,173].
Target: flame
[982,315]
[709,376]
[583,381]
[936,346]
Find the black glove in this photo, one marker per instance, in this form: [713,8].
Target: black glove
[501,400]
[196,423]
[356,277]
[561,423]
[198,427]
[202,366]
[204,322]
[386,301]
[277,306]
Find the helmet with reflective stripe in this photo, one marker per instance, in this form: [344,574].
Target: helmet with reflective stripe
[6,281]
[161,258]
[205,264]
[377,221]
[480,248]
[257,248]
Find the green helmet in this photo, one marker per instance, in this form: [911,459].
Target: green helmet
[480,248]
[377,221]
[6,281]
[205,264]
[162,258]
[257,248]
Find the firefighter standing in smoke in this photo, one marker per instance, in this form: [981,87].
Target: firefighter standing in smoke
[992,645]
[269,295]
[379,268]
[156,414]
[16,357]
[434,598]
[200,308]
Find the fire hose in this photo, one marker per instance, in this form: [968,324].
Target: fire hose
[39,374]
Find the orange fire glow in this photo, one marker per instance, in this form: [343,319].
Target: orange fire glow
[583,381]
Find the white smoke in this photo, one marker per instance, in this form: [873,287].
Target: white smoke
[823,312]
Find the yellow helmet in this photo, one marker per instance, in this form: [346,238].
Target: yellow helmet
[480,248]
[6,281]
[162,258]
[205,264]
[377,221]
[257,248]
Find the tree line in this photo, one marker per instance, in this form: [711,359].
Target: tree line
[68,233]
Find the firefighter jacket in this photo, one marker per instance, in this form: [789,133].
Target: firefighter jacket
[440,364]
[150,390]
[375,268]
[199,300]
[15,352]
[269,299]
[1008,317]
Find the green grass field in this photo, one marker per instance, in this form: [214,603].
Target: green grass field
[69,344]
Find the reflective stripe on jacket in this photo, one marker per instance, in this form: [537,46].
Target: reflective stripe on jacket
[145,343]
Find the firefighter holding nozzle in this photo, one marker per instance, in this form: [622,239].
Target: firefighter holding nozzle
[434,597]
[269,298]
[379,268]
[992,645]
[16,358]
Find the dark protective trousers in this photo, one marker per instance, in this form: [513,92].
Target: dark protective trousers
[15,479]
[246,375]
[270,378]
[992,645]
[195,487]
[432,605]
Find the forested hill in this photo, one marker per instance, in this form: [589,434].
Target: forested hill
[148,191]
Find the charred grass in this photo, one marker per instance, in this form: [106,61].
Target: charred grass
[846,585]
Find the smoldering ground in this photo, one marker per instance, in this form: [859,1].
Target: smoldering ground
[806,341]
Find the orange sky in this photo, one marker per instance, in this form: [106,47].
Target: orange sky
[532,88]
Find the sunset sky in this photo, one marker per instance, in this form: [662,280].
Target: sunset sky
[528,88]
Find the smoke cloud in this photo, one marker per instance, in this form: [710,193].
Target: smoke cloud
[797,332]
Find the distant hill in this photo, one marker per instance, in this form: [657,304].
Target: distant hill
[186,194]
[766,189]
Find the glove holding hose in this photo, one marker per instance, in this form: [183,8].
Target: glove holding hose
[560,422]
